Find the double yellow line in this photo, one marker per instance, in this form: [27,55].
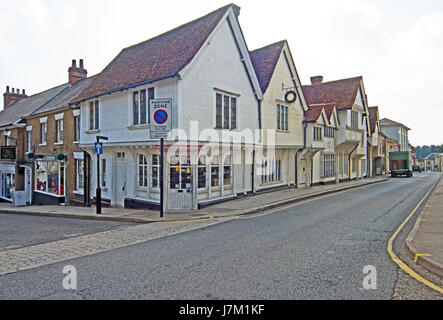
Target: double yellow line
[400,263]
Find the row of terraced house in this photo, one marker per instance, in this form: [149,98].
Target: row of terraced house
[242,123]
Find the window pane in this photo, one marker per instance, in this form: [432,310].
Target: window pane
[135,107]
[218,111]
[278,117]
[233,113]
[226,112]
[91,115]
[150,97]
[215,182]
[143,107]
[53,175]
[286,118]
[186,178]
[96,115]
[174,176]
[201,177]
[227,175]
[41,172]
[155,178]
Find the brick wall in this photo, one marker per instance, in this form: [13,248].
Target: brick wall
[67,148]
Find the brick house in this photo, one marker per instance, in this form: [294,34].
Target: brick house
[15,167]
[40,144]
[59,167]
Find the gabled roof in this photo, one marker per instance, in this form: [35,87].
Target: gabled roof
[18,110]
[64,98]
[264,61]
[391,123]
[158,58]
[314,113]
[342,93]
[373,116]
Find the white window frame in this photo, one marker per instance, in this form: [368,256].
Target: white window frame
[59,131]
[282,117]
[230,118]
[43,133]
[29,138]
[157,175]
[94,115]
[142,181]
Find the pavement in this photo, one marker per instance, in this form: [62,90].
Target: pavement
[237,207]
[425,242]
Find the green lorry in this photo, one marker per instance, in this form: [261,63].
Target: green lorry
[400,163]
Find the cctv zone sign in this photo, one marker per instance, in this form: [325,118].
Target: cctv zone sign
[160,114]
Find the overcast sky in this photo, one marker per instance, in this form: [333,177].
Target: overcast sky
[396,45]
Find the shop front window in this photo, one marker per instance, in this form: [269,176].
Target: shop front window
[8,185]
[50,177]
[180,173]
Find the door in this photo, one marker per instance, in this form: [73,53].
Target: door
[120,182]
[180,183]
[28,186]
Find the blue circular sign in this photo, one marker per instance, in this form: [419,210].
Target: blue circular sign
[160,116]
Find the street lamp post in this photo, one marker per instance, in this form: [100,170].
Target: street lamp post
[98,195]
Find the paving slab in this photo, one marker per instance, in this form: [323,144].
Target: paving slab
[425,242]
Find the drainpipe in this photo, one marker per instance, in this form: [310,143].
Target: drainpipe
[252,172]
[312,169]
[349,161]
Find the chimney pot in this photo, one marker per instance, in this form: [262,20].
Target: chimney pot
[316,79]
[81,63]
[13,90]
[74,63]
[7,89]
[18,91]
[24,92]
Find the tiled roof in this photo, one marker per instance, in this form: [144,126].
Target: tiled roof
[340,92]
[23,108]
[65,97]
[264,61]
[313,113]
[373,114]
[157,58]
[389,122]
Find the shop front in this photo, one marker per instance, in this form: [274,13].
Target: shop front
[7,177]
[50,179]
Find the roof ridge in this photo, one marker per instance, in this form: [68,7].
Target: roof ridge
[269,45]
[333,81]
[179,27]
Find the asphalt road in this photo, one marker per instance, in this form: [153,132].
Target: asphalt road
[313,250]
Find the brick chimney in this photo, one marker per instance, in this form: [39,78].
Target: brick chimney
[11,96]
[77,73]
[316,79]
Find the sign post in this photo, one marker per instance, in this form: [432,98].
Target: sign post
[98,149]
[160,126]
